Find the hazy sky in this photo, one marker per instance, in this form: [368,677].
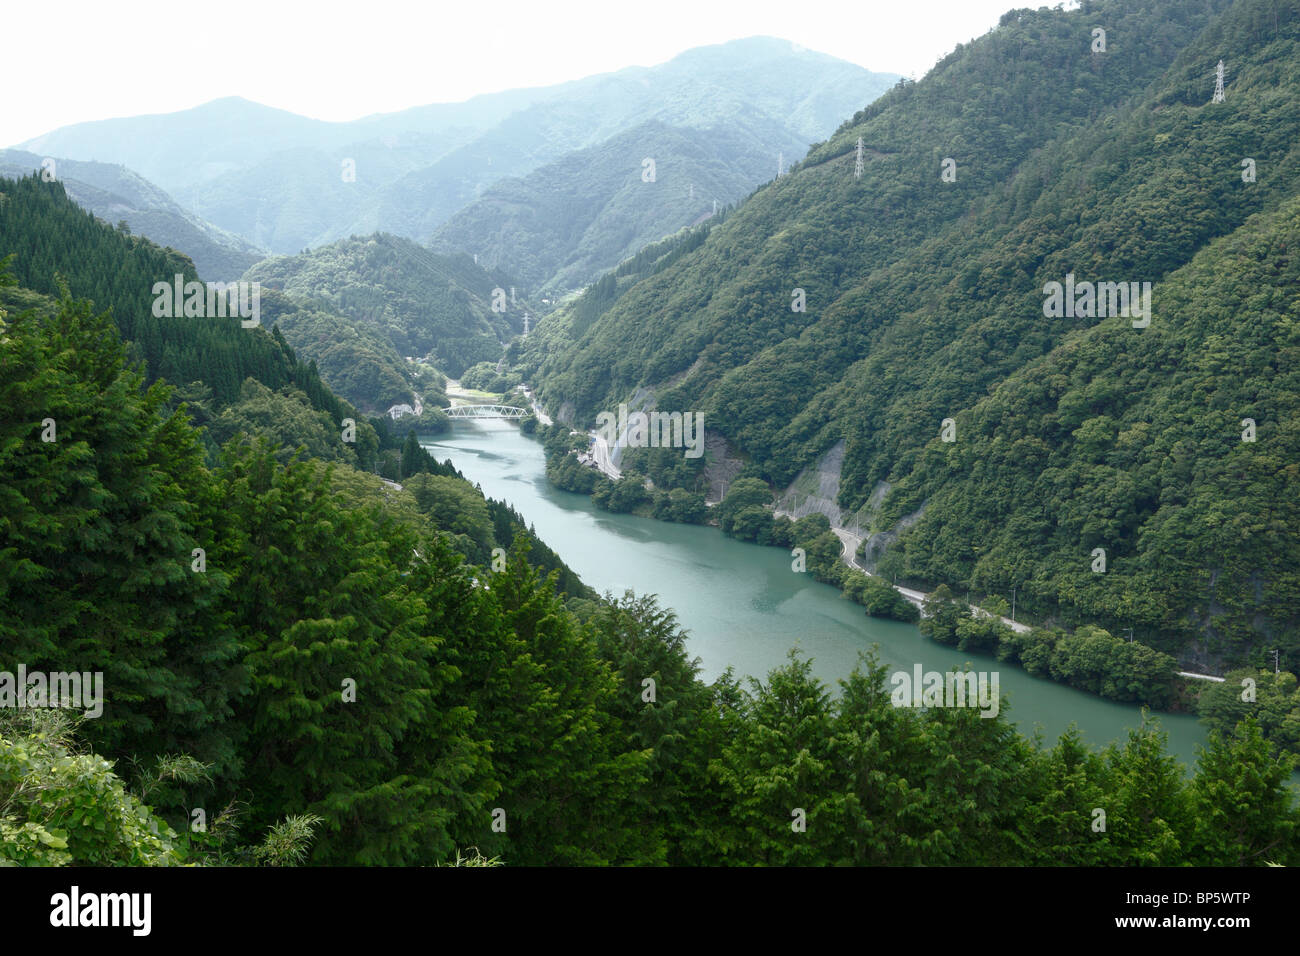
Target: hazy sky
[72,61]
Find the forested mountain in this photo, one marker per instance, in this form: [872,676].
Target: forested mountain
[426,305]
[179,150]
[115,194]
[342,653]
[53,241]
[338,673]
[354,358]
[925,284]
[286,182]
[563,225]
[757,80]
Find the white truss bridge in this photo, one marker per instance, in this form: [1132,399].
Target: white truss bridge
[486,411]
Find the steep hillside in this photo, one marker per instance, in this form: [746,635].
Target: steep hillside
[426,305]
[563,225]
[756,80]
[116,194]
[52,241]
[925,293]
[353,358]
[1175,449]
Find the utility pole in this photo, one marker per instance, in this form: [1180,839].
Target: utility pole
[1129,631]
[1276,658]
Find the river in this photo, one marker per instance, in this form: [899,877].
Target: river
[742,604]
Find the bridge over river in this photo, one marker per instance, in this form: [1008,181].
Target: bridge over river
[508,412]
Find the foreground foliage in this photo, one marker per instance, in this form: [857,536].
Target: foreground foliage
[360,687]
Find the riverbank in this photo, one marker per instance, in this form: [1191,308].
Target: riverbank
[743,604]
[1085,658]
[852,542]
[467,396]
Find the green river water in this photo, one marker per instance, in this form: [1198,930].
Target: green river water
[742,604]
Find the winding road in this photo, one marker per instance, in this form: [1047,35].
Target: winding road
[852,542]
[600,455]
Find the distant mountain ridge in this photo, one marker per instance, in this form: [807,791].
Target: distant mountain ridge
[114,193]
[281,180]
[563,225]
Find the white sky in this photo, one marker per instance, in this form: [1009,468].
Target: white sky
[72,60]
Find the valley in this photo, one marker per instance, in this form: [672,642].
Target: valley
[656,451]
[769,608]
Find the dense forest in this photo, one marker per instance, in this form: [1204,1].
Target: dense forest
[426,305]
[355,359]
[52,240]
[321,646]
[332,679]
[900,309]
[304,664]
[117,194]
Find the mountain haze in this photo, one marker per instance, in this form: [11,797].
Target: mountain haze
[759,79]
[563,225]
[279,180]
[115,193]
[925,302]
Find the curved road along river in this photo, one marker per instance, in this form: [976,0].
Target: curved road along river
[742,604]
